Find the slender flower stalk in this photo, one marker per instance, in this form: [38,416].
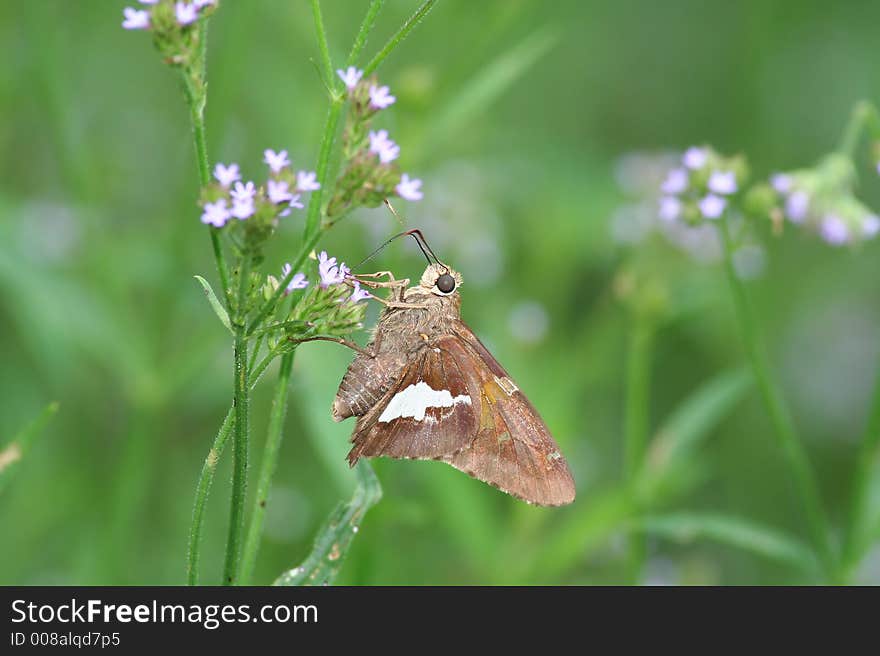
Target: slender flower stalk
[858,528]
[793,452]
[267,470]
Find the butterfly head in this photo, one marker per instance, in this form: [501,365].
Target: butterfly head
[440,280]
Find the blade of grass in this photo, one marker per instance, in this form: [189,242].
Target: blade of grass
[15,450]
[741,533]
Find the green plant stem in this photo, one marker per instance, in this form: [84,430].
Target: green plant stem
[399,36]
[241,404]
[864,114]
[206,478]
[857,535]
[193,87]
[267,469]
[366,27]
[322,43]
[636,423]
[793,452]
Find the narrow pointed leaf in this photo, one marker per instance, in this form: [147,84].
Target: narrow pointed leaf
[218,308]
[334,538]
[13,451]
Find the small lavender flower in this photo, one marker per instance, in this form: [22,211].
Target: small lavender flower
[870,225]
[380,98]
[359,294]
[781,182]
[712,206]
[796,206]
[216,214]
[695,158]
[676,181]
[670,208]
[385,148]
[330,273]
[148,2]
[243,192]
[307,181]
[722,182]
[226,175]
[276,161]
[243,208]
[299,280]
[201,4]
[409,189]
[136,19]
[278,191]
[185,13]
[833,230]
[350,76]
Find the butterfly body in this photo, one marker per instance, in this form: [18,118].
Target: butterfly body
[427,388]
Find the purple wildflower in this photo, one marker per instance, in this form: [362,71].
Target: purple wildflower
[278,192]
[299,280]
[243,192]
[870,225]
[796,206]
[276,161]
[201,4]
[676,182]
[670,208]
[216,214]
[723,182]
[712,206]
[243,208]
[330,273]
[695,158]
[136,19]
[350,76]
[359,294]
[149,2]
[307,181]
[226,175]
[185,13]
[380,98]
[833,230]
[385,148]
[409,189]
[781,183]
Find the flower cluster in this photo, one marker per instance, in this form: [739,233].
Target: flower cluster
[229,198]
[701,186]
[372,173]
[821,199]
[333,306]
[172,23]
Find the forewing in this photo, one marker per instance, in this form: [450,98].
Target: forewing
[428,413]
[513,449]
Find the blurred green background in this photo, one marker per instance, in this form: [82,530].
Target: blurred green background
[531,124]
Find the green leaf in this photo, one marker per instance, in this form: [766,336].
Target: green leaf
[745,534]
[219,310]
[488,85]
[334,538]
[697,416]
[18,446]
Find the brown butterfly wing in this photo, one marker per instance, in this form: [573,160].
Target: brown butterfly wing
[428,413]
[513,449]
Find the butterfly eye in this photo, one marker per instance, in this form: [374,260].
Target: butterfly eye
[445,283]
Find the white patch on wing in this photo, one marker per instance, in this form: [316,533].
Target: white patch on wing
[507,385]
[415,400]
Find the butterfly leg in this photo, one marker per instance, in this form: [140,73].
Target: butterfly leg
[338,340]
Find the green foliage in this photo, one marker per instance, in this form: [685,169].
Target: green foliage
[13,451]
